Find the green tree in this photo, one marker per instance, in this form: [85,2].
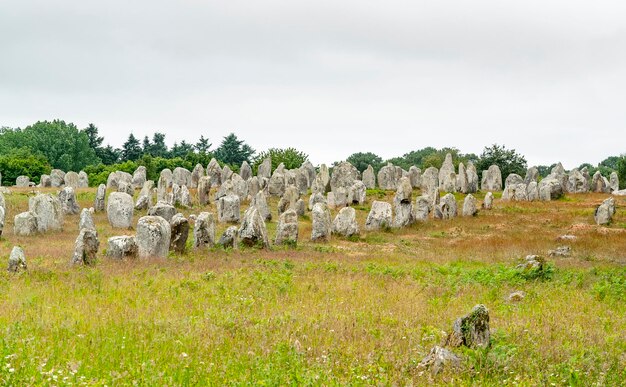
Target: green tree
[233,151]
[290,157]
[508,160]
[181,150]
[95,141]
[21,161]
[158,147]
[109,155]
[361,160]
[146,145]
[412,158]
[203,146]
[131,150]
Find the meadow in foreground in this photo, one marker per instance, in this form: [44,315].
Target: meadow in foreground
[362,310]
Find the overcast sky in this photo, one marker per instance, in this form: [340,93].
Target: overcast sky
[330,78]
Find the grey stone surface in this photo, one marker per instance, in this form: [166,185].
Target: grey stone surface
[120,208]
[86,219]
[321,227]
[379,216]
[48,211]
[17,260]
[196,174]
[67,198]
[181,176]
[121,247]
[179,227]
[57,178]
[345,223]
[470,207]
[369,177]
[422,208]
[260,202]
[447,175]
[99,204]
[86,247]
[25,224]
[229,238]
[214,172]
[164,210]
[604,212]
[139,177]
[253,231]
[387,177]
[22,181]
[447,208]
[83,179]
[344,175]
[492,179]
[228,209]
[204,190]
[204,231]
[316,198]
[153,237]
[71,179]
[439,359]
[471,330]
[265,168]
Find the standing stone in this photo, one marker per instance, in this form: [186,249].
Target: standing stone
[338,198]
[438,359]
[253,187]
[45,181]
[324,175]
[379,216]
[175,195]
[492,179]
[229,238]
[387,177]
[472,178]
[245,171]
[204,188]
[25,224]
[48,211]
[345,223]
[112,181]
[532,191]
[471,330]
[83,179]
[260,202]
[120,210]
[316,198]
[204,231]
[214,172]
[447,208]
[422,208]
[181,176]
[226,173]
[369,178]
[513,179]
[98,204]
[402,203]
[289,199]
[321,223]
[614,182]
[67,197]
[415,176]
[228,209]
[253,231]
[532,174]
[302,181]
[550,189]
[17,260]
[196,175]
[86,247]
[276,185]
[179,226]
[309,171]
[470,207]
[144,200]
[265,168]
[343,176]
[318,185]
[461,181]
[164,210]
[71,179]
[605,211]
[447,177]
[357,193]
[576,182]
[300,207]
[166,179]
[139,177]
[57,178]
[153,237]
[184,198]
[558,172]
[2,218]
[22,181]
[430,180]
[124,186]
[86,219]
[287,229]
[240,186]
[488,202]
[599,183]
[122,247]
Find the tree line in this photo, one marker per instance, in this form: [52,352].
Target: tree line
[44,145]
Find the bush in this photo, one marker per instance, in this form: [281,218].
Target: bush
[22,162]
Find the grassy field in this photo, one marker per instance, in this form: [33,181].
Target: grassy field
[352,311]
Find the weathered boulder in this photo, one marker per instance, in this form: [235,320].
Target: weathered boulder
[67,198]
[144,199]
[122,247]
[343,176]
[387,177]
[321,223]
[98,204]
[357,193]
[550,188]
[276,185]
[422,208]
[471,330]
[430,180]
[253,231]
[245,171]
[86,219]
[488,201]
[289,199]
[164,210]
[379,216]
[337,198]
[25,224]
[83,179]
[461,179]
[613,182]
[229,238]
[204,189]
[226,173]
[513,179]
[287,229]
[309,171]
[447,208]
[558,172]
[517,192]
[181,176]
[470,207]
[184,197]
[369,178]
[153,237]
[45,181]
[532,174]
[402,203]
[265,168]
[260,202]
[204,231]
[166,179]
[438,359]
[492,179]
[22,181]
[179,227]
[228,209]
[196,174]
[139,177]
[86,247]
[120,210]
[254,186]
[415,176]
[124,186]
[316,198]
[214,172]
[17,260]
[48,211]
[599,183]
[605,211]
[345,223]
[57,178]
[71,179]
[472,177]
[447,176]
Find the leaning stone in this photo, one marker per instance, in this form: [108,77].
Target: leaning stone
[379,216]
[228,209]
[204,231]
[86,219]
[253,231]
[48,211]
[470,206]
[345,223]
[17,260]
[471,330]
[25,224]
[153,237]
[179,226]
[67,197]
[321,227]
[120,210]
[164,210]
[438,359]
[122,247]
[287,229]
[229,238]
[86,247]
[98,204]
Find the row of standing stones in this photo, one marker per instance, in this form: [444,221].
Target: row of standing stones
[165,229]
